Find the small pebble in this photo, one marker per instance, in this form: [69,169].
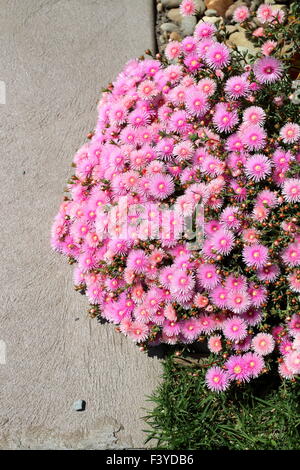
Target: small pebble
[211,12]
[79,405]
[168,27]
[175,36]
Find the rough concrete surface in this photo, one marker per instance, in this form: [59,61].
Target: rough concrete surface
[56,55]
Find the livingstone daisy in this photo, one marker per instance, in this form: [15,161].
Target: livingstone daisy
[255,255]
[290,133]
[263,344]
[267,70]
[217,379]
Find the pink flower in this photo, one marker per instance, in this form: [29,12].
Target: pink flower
[267,70]
[238,301]
[173,50]
[236,87]
[255,255]
[255,363]
[258,167]
[253,137]
[292,362]
[291,189]
[241,14]
[178,121]
[217,379]
[252,316]
[265,13]
[291,254]
[268,273]
[217,56]
[290,133]
[138,331]
[190,329]
[196,102]
[214,344]
[254,115]
[294,325]
[234,329]
[187,7]
[204,30]
[285,372]
[223,241]
[263,344]
[208,276]
[294,281]
[161,186]
[223,119]
[219,296]
[137,261]
[268,47]
[238,369]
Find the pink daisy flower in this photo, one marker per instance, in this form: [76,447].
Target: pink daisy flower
[268,47]
[291,189]
[255,255]
[254,115]
[204,30]
[238,369]
[255,363]
[208,276]
[286,347]
[219,296]
[217,56]
[250,235]
[241,14]
[137,261]
[253,137]
[294,325]
[147,90]
[258,294]
[238,301]
[190,329]
[171,327]
[214,344]
[258,167]
[236,87]
[263,344]
[223,119]
[291,254]
[252,316]
[138,331]
[196,102]
[268,273]
[294,281]
[267,70]
[161,186]
[178,121]
[223,241]
[229,217]
[173,50]
[187,7]
[207,324]
[207,86]
[182,282]
[264,13]
[285,372]
[290,133]
[236,283]
[292,362]
[234,329]
[217,379]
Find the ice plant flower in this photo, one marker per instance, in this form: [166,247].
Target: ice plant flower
[181,217]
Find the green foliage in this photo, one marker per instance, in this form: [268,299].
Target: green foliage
[262,415]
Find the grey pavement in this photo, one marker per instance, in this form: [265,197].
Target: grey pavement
[56,55]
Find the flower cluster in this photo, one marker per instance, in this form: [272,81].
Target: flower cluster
[195,136]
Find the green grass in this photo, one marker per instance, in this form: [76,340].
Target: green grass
[264,414]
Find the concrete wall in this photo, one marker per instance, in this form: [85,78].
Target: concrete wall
[56,55]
